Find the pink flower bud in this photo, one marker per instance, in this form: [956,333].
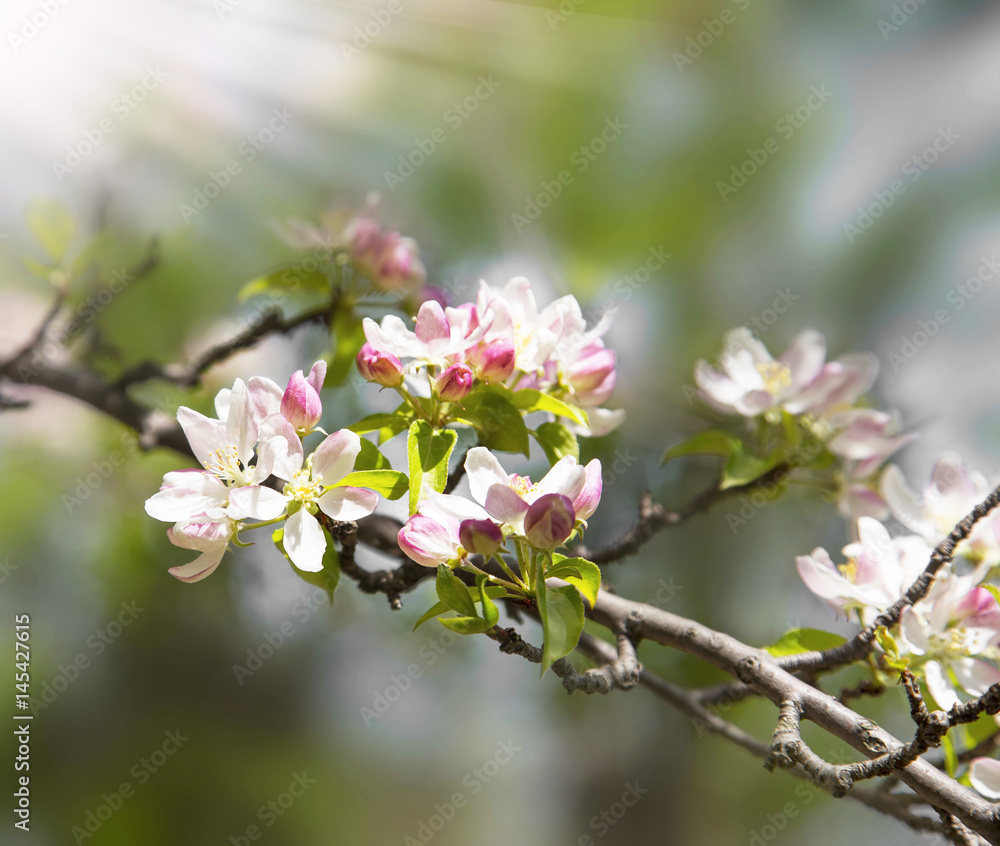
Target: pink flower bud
[300,404]
[482,537]
[550,520]
[495,361]
[426,541]
[382,368]
[592,374]
[455,383]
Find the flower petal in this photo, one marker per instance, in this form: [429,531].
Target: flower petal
[204,565]
[348,503]
[984,775]
[305,541]
[204,434]
[335,457]
[484,471]
[257,502]
[505,505]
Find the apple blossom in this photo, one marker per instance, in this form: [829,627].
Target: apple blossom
[455,383]
[879,569]
[952,629]
[953,492]
[480,537]
[310,485]
[433,535]
[549,521]
[382,368]
[209,536]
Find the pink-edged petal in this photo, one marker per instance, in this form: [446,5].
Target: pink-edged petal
[820,574]
[204,434]
[317,375]
[566,477]
[906,505]
[587,500]
[201,534]
[304,541]
[335,457]
[432,323]
[427,541]
[505,505]
[181,503]
[484,471]
[348,503]
[264,396]
[204,565]
[256,502]
[984,775]
[719,388]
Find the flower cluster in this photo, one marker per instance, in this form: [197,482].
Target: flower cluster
[256,437]
[390,260]
[446,529]
[951,636]
[819,396]
[501,339]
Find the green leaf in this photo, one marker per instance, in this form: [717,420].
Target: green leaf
[328,578]
[497,421]
[36,268]
[978,731]
[428,451]
[370,458]
[561,610]
[530,399]
[743,468]
[557,441]
[950,755]
[53,225]
[584,574]
[436,610]
[491,614]
[711,442]
[290,279]
[464,625]
[804,640]
[387,425]
[390,483]
[348,338]
[992,589]
[452,591]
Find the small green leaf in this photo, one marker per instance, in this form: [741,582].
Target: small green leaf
[497,421]
[370,458]
[348,338]
[743,468]
[464,625]
[584,574]
[452,591]
[387,425]
[561,610]
[290,279]
[436,610]
[804,640]
[390,483]
[53,225]
[428,451]
[36,268]
[530,399]
[950,755]
[328,578]
[711,442]
[557,441]
[491,614]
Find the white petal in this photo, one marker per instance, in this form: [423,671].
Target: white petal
[204,434]
[280,448]
[450,507]
[257,502]
[204,565]
[241,430]
[173,504]
[984,775]
[305,541]
[973,676]
[804,358]
[939,686]
[484,471]
[566,477]
[348,503]
[335,457]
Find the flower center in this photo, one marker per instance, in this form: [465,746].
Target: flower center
[302,488]
[225,464]
[850,570]
[521,485]
[775,375]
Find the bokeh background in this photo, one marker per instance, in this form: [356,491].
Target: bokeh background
[849,93]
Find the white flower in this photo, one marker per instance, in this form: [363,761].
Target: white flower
[878,570]
[953,492]
[209,536]
[311,485]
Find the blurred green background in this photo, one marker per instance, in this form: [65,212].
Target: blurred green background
[755,144]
